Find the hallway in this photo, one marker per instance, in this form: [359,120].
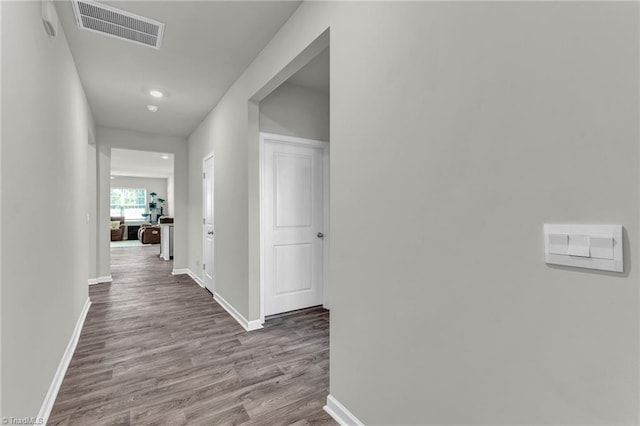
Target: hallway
[156,349]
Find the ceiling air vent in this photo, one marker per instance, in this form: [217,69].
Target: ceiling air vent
[107,20]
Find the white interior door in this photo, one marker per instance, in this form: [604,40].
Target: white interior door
[207,223]
[294,222]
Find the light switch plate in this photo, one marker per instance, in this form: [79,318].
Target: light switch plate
[558,243]
[584,246]
[578,245]
[602,247]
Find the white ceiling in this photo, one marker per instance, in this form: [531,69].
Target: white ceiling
[315,74]
[128,162]
[206,46]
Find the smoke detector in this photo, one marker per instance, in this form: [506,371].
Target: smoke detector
[113,22]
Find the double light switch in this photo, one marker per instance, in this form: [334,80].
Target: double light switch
[585,246]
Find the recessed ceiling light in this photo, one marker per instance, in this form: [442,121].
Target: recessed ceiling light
[164,157]
[152,108]
[156,93]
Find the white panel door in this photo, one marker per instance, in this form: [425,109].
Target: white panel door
[293,200]
[207,224]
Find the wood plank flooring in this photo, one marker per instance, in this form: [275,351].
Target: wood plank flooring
[157,350]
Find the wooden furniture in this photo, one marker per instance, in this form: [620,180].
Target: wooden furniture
[132,227]
[117,234]
[149,234]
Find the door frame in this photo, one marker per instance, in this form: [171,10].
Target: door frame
[296,141]
[202,229]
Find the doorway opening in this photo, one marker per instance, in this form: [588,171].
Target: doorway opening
[208,235]
[295,205]
[294,128]
[141,202]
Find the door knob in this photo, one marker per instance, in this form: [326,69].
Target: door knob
[210,232]
[320,235]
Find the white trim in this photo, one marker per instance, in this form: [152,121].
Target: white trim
[262,220]
[99,280]
[209,156]
[340,413]
[293,140]
[296,141]
[326,188]
[52,393]
[246,324]
[1,416]
[254,325]
[189,272]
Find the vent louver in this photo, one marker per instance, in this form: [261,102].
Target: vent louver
[107,20]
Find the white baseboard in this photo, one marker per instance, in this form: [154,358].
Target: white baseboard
[189,272]
[246,324]
[340,413]
[52,393]
[254,325]
[196,278]
[106,279]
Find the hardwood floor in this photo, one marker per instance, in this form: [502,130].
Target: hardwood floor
[157,350]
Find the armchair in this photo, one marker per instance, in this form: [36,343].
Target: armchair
[149,234]
[117,233]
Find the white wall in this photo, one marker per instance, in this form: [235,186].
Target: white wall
[45,128]
[170,195]
[92,206]
[1,412]
[457,131]
[157,185]
[103,233]
[107,138]
[296,111]
[223,132]
[289,110]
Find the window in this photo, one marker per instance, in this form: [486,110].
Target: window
[129,202]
